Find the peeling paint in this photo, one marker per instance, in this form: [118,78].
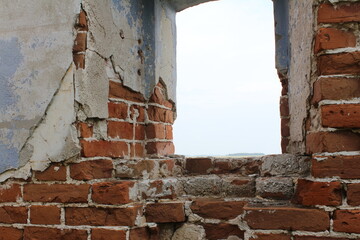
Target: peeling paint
[10,60]
[35,53]
[55,139]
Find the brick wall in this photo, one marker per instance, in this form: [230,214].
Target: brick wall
[128,185]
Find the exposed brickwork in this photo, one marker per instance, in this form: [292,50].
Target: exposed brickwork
[340,63]
[10,193]
[341,115]
[104,148]
[310,193]
[332,142]
[332,38]
[9,233]
[336,166]
[336,89]
[77,216]
[106,234]
[80,43]
[165,212]
[222,231]
[89,170]
[329,13]
[264,236]
[287,218]
[53,173]
[347,221]
[216,209]
[45,215]
[111,192]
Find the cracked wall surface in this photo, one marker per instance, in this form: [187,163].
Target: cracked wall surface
[37,44]
[36,38]
[87,103]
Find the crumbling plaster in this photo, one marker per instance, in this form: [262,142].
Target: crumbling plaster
[301,30]
[36,39]
[36,51]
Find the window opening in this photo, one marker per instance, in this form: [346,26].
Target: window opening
[228,89]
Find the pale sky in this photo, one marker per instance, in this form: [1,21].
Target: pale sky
[227,88]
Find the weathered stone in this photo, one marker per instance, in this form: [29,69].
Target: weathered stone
[285,165]
[189,232]
[275,188]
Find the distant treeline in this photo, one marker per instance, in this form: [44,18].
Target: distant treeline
[246,154]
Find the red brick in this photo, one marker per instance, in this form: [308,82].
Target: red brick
[155,131]
[284,144]
[82,23]
[159,96]
[140,113]
[332,142]
[160,148]
[37,233]
[336,89]
[104,148]
[93,169]
[86,130]
[10,193]
[287,218]
[9,233]
[340,63]
[101,216]
[80,43]
[345,167]
[167,167]
[44,215]
[79,60]
[341,115]
[157,189]
[62,193]
[165,212]
[118,110]
[135,169]
[332,38]
[263,236]
[216,209]
[144,233]
[169,132]
[122,130]
[158,114]
[284,106]
[10,214]
[285,127]
[347,221]
[198,165]
[55,172]
[139,132]
[318,193]
[285,86]
[339,13]
[112,192]
[117,90]
[106,234]
[222,231]
[321,238]
[137,150]
[353,194]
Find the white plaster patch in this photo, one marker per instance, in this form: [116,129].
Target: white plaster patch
[301,35]
[55,139]
[92,86]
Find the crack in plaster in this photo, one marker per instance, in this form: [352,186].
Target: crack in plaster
[43,141]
